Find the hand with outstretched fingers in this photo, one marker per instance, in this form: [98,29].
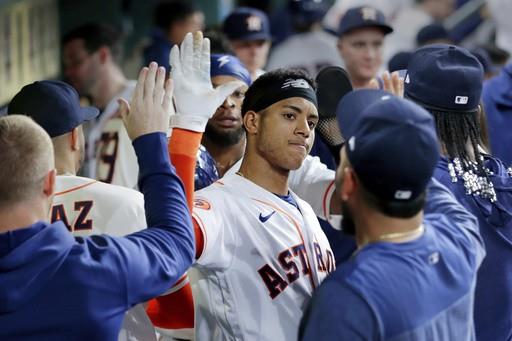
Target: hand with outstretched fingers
[195,98]
[151,105]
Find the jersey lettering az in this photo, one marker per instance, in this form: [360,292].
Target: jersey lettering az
[259,251]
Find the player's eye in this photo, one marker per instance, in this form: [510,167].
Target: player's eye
[238,94]
[312,124]
[289,115]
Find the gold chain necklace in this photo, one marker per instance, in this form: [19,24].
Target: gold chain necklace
[395,235]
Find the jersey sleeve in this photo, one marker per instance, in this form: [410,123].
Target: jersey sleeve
[313,182]
[129,216]
[338,313]
[441,202]
[217,238]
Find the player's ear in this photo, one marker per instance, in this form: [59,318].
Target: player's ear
[49,183]
[349,185]
[104,54]
[251,120]
[74,139]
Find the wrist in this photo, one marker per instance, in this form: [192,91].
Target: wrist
[189,122]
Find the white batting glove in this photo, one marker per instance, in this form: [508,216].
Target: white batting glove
[195,98]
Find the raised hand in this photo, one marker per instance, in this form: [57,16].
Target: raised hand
[391,83]
[151,104]
[195,98]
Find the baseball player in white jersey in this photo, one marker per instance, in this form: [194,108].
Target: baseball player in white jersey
[83,204]
[116,162]
[260,250]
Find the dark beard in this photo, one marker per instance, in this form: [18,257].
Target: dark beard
[347,222]
[223,139]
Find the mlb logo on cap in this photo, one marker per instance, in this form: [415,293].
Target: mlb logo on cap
[461,99]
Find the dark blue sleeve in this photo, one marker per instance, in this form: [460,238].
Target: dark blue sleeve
[152,260]
[441,201]
[337,313]
[443,208]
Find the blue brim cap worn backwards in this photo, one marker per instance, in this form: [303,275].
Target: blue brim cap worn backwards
[444,78]
[391,144]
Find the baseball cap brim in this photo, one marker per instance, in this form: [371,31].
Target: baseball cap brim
[252,37]
[385,28]
[89,113]
[352,104]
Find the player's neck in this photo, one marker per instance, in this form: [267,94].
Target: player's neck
[113,84]
[372,226]
[258,170]
[65,165]
[225,156]
[360,83]
[22,215]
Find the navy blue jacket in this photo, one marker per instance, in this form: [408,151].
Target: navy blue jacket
[420,290]
[54,286]
[493,296]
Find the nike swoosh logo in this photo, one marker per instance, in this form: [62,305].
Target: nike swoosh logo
[267,217]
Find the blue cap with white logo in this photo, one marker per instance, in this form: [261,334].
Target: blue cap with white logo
[391,143]
[246,23]
[227,65]
[444,78]
[361,17]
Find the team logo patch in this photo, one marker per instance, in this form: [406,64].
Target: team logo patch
[202,204]
[369,13]
[254,23]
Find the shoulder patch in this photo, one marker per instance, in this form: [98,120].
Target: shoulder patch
[202,204]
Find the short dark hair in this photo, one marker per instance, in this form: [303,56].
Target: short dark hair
[270,78]
[95,36]
[167,13]
[395,209]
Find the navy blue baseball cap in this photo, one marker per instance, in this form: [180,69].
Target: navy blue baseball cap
[432,32]
[484,59]
[307,11]
[363,16]
[54,105]
[391,143]
[246,23]
[444,78]
[227,65]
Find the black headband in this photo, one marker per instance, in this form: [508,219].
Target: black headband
[287,89]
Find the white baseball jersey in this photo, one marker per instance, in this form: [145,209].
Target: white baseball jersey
[311,52]
[88,207]
[313,182]
[116,162]
[110,156]
[261,261]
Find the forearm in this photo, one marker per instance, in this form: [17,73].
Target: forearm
[183,147]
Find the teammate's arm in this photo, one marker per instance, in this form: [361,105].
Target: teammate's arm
[196,102]
[146,263]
